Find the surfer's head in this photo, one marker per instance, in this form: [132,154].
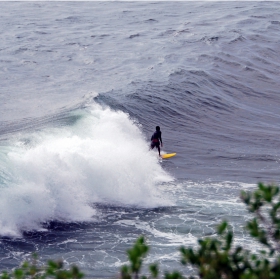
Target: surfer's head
[157,128]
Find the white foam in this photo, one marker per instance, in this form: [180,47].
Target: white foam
[103,157]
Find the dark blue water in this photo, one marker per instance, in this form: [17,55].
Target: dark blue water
[83,85]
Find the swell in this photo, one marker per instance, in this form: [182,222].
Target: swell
[210,118]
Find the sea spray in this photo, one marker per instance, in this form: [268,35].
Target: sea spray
[60,172]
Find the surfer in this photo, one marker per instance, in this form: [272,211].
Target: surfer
[156,140]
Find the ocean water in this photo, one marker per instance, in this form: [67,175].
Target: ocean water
[83,85]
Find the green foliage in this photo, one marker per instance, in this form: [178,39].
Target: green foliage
[135,256]
[264,203]
[217,257]
[53,269]
[173,275]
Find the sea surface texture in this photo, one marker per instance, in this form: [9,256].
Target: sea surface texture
[82,87]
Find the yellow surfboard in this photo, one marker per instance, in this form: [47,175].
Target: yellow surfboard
[168,155]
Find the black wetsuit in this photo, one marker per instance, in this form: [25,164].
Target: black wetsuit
[156,139]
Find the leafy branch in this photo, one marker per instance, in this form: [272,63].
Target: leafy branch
[53,269]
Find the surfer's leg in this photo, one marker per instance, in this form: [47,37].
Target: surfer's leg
[158,147]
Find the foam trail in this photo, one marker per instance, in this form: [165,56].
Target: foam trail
[61,172]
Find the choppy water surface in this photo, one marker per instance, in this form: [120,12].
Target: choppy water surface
[83,85]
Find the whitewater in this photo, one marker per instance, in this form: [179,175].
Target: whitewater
[83,85]
[60,172]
